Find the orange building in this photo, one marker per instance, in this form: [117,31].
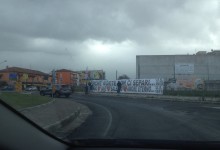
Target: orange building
[11,75]
[64,76]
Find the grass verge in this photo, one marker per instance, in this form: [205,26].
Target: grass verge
[19,101]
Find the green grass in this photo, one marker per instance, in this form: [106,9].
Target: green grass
[19,101]
[79,89]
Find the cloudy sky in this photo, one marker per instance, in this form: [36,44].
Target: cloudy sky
[103,34]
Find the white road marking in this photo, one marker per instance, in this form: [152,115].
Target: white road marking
[214,107]
[109,114]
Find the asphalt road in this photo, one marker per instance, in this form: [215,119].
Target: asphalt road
[129,118]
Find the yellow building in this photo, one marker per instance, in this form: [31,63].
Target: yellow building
[27,77]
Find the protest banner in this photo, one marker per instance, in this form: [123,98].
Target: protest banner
[151,86]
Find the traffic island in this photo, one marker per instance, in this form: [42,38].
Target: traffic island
[57,117]
[21,101]
[162,97]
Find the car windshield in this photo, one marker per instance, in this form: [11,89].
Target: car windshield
[101,69]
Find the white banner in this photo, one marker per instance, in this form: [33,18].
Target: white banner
[151,86]
[184,68]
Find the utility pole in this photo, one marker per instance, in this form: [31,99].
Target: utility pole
[116,74]
[207,59]
[174,68]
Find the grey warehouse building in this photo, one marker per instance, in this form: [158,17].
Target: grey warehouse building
[202,65]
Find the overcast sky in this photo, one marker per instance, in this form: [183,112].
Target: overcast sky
[103,34]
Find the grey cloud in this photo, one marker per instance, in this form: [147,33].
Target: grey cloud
[81,20]
[12,42]
[64,20]
[156,26]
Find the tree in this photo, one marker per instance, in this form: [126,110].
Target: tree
[124,76]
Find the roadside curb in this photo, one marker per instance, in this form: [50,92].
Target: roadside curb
[167,98]
[62,123]
[37,106]
[63,128]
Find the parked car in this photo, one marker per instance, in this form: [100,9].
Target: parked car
[46,91]
[31,88]
[57,90]
[34,88]
[7,88]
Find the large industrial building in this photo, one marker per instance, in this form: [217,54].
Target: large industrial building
[202,65]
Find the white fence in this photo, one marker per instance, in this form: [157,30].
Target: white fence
[151,86]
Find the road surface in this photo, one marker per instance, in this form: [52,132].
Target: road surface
[129,118]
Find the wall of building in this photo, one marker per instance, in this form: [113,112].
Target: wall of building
[30,78]
[66,77]
[206,67]
[5,77]
[154,67]
[63,77]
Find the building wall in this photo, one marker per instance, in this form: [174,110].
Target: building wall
[206,67]
[30,79]
[5,77]
[65,77]
[154,66]
[74,78]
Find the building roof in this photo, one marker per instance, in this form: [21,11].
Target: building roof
[201,53]
[90,71]
[64,70]
[214,52]
[22,70]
